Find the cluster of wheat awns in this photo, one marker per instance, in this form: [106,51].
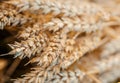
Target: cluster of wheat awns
[69,41]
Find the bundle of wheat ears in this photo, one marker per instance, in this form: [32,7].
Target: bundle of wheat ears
[59,41]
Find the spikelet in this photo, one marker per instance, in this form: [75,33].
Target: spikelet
[57,8]
[10,17]
[34,40]
[39,75]
[67,76]
[70,76]
[75,24]
[52,52]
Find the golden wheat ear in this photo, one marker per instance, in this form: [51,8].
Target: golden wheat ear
[60,41]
